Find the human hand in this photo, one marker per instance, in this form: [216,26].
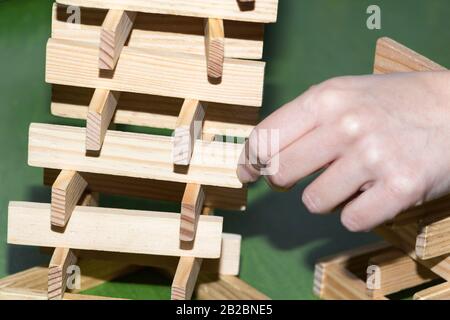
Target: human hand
[383,139]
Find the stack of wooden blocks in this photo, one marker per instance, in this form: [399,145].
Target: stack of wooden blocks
[187,66]
[416,253]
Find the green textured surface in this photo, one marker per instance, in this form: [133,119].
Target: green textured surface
[312,41]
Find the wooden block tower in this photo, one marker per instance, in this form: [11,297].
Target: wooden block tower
[417,248]
[188,66]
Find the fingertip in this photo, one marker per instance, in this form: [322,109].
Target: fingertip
[244,174]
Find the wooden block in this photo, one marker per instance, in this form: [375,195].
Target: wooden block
[264,11]
[217,197]
[439,207]
[393,271]
[439,292]
[185,278]
[188,129]
[227,264]
[391,56]
[156,111]
[155,72]
[33,294]
[94,273]
[114,32]
[62,259]
[339,277]
[191,208]
[404,238]
[100,113]
[215,47]
[118,230]
[213,287]
[433,239]
[132,155]
[66,192]
[243,40]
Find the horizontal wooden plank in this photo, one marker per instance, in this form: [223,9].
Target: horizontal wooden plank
[394,271]
[155,111]
[216,197]
[391,56]
[243,40]
[115,230]
[438,292]
[259,11]
[155,72]
[404,238]
[433,239]
[227,264]
[132,155]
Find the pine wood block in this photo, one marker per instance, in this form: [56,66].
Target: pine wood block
[114,32]
[433,238]
[94,273]
[185,278]
[394,271]
[438,292]
[117,230]
[439,207]
[227,264]
[62,259]
[243,40]
[191,208]
[213,287]
[404,238]
[339,277]
[216,197]
[264,11]
[67,190]
[215,47]
[100,113]
[156,72]
[391,56]
[132,155]
[32,294]
[188,129]
[156,111]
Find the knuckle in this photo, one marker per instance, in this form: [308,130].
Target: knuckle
[351,125]
[373,151]
[403,185]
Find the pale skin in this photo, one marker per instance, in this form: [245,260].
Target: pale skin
[382,140]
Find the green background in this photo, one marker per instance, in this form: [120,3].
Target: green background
[313,40]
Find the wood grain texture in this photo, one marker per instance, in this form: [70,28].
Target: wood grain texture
[404,238]
[227,264]
[438,292]
[391,56]
[103,229]
[132,155]
[191,208]
[217,197]
[188,129]
[114,32]
[185,278]
[101,111]
[213,287]
[394,271]
[62,259]
[433,239]
[263,11]
[340,276]
[156,111]
[155,72]
[439,207]
[33,294]
[214,46]
[243,40]
[67,191]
